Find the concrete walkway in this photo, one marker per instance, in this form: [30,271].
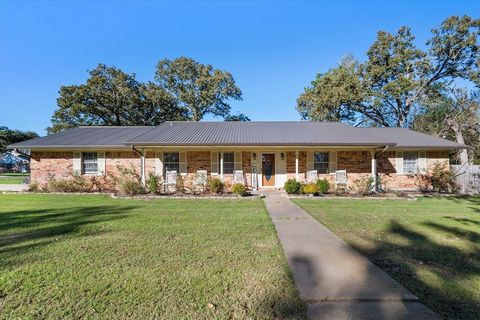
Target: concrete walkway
[336,281]
[13,187]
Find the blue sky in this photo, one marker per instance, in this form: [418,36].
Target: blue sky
[273,49]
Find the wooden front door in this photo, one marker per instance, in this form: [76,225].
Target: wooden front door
[268,170]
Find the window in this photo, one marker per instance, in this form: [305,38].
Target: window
[410,162]
[320,162]
[171,161]
[89,163]
[228,162]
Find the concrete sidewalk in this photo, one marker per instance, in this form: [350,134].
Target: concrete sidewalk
[336,281]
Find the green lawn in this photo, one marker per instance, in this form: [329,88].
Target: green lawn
[431,246]
[13,178]
[96,257]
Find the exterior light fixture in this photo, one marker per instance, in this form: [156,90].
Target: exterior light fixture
[282,155]
[254,156]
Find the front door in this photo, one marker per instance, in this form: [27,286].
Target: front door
[268,170]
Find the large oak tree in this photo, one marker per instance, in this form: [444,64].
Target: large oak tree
[388,88]
[196,87]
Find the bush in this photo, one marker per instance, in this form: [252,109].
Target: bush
[215,185]
[129,183]
[363,186]
[152,183]
[302,186]
[75,184]
[33,186]
[130,187]
[239,189]
[442,179]
[310,188]
[292,186]
[323,186]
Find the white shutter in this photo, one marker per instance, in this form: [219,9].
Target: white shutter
[310,161]
[77,163]
[399,162]
[183,163]
[422,162]
[214,163]
[237,156]
[101,163]
[159,164]
[332,161]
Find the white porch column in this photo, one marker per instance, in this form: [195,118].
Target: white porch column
[374,171]
[221,165]
[296,165]
[142,168]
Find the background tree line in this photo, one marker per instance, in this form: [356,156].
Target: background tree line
[183,89]
[401,85]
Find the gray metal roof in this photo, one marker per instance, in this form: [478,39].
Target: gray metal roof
[405,138]
[84,137]
[189,133]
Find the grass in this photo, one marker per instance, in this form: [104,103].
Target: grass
[431,246]
[94,257]
[13,178]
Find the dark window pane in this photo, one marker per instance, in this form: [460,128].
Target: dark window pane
[320,161]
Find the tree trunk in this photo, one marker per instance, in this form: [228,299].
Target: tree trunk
[460,139]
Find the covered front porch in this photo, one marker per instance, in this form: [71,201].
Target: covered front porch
[260,167]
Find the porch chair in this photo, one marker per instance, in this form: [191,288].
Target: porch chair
[201,179]
[341,178]
[238,176]
[170,181]
[312,176]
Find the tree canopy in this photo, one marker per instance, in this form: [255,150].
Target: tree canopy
[196,87]
[9,136]
[184,90]
[388,88]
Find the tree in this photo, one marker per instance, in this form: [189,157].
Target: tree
[236,117]
[8,136]
[110,97]
[196,87]
[388,88]
[454,114]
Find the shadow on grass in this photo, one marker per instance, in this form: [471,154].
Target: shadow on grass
[42,227]
[447,294]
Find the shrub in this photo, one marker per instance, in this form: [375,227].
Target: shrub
[239,189]
[442,179]
[310,188]
[215,185]
[130,187]
[33,186]
[129,183]
[292,186]
[75,184]
[302,186]
[152,183]
[323,186]
[363,185]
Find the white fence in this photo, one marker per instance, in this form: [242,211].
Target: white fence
[467,178]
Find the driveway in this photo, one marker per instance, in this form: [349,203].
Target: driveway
[334,280]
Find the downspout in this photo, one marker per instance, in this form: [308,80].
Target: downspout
[142,164]
[374,167]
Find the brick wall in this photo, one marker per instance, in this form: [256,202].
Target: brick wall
[45,165]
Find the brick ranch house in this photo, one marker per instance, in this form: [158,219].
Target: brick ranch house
[258,154]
